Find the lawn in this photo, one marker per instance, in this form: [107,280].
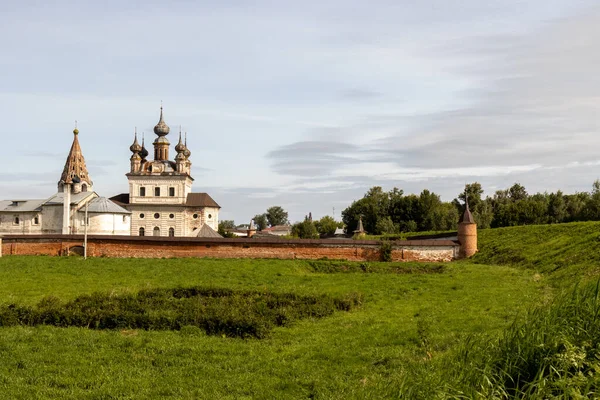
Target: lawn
[410,318]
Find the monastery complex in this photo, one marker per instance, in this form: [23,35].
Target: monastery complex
[160,201]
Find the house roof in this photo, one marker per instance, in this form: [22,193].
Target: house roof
[21,205]
[207,232]
[120,199]
[278,228]
[200,200]
[76,198]
[102,205]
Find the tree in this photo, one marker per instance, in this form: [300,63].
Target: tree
[305,230]
[557,207]
[517,192]
[260,220]
[276,216]
[225,226]
[373,206]
[326,226]
[386,225]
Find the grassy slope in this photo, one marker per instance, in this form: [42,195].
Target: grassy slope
[406,319]
[564,252]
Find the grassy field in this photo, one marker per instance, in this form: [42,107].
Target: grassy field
[413,321]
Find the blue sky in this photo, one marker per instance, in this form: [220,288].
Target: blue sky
[306,104]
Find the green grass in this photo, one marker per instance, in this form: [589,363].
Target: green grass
[564,252]
[507,323]
[406,319]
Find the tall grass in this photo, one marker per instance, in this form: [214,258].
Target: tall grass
[554,352]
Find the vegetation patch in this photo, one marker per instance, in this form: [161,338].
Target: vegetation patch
[553,353]
[217,311]
[334,267]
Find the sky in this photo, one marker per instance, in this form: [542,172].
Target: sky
[305,105]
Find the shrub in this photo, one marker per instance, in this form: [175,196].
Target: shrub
[217,311]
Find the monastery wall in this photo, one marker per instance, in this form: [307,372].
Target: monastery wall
[159,247]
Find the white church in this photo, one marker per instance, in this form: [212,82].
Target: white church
[160,201]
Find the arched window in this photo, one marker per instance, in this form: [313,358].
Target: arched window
[84,188]
[156,231]
[16,221]
[142,232]
[171,232]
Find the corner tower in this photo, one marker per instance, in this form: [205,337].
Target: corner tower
[467,233]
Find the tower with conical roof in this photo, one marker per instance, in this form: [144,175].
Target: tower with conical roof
[75,173]
[73,180]
[467,232]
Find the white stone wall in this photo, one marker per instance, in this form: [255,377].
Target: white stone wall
[52,218]
[182,184]
[104,224]
[25,226]
[169,216]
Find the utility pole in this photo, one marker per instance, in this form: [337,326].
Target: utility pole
[85,229]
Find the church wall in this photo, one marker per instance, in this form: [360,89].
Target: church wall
[26,223]
[149,247]
[52,217]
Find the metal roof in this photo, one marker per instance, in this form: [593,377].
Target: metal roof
[103,205]
[58,198]
[207,232]
[200,200]
[21,205]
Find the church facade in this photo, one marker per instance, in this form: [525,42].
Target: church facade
[160,196]
[160,201]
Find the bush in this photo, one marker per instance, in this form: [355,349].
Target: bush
[385,251]
[217,311]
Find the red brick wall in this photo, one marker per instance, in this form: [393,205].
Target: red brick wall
[150,247]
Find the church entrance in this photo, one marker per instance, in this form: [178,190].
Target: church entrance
[156,231]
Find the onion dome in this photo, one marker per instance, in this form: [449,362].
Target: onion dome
[180,147]
[143,152]
[135,147]
[186,151]
[161,129]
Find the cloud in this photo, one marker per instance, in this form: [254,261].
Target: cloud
[534,107]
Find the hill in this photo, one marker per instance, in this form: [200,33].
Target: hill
[565,253]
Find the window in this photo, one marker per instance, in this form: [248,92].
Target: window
[142,191]
[124,218]
[171,232]
[142,232]
[172,192]
[195,216]
[16,220]
[209,216]
[142,216]
[157,191]
[84,188]
[36,220]
[171,216]
[156,215]
[156,231]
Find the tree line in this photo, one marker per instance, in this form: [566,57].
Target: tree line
[394,212]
